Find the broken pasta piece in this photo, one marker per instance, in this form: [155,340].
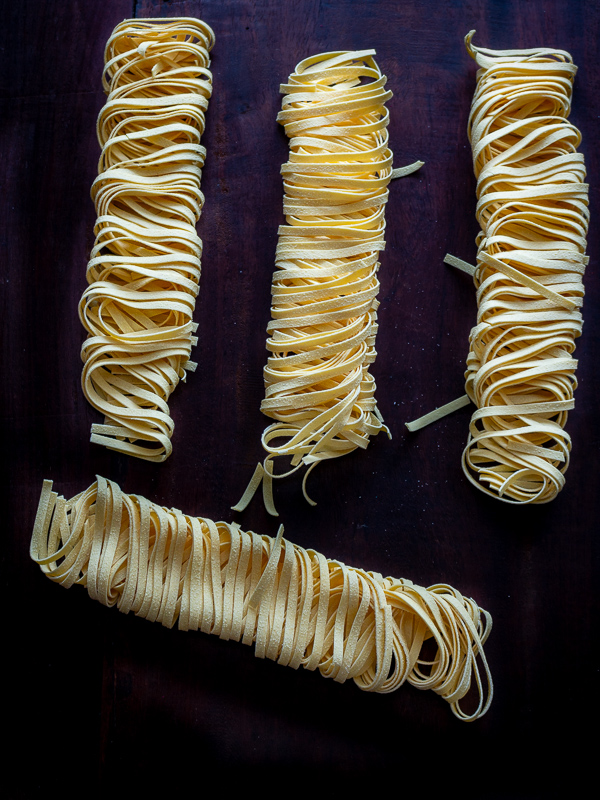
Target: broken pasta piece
[144,269]
[296,606]
[321,343]
[533,211]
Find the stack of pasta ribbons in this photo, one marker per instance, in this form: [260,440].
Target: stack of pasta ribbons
[321,341]
[144,269]
[298,607]
[533,211]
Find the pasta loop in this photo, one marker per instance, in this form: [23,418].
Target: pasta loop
[144,269]
[296,606]
[321,343]
[532,206]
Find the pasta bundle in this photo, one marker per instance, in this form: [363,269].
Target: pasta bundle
[298,607]
[318,387]
[533,211]
[144,269]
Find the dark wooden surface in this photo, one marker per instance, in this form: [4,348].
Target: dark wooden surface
[97,700]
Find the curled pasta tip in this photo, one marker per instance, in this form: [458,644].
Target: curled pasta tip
[144,269]
[533,211]
[304,480]
[296,606]
[318,386]
[471,49]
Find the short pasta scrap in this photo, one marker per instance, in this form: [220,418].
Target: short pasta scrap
[296,606]
[144,269]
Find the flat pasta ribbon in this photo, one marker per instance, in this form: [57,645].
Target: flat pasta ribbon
[321,343]
[144,269]
[296,606]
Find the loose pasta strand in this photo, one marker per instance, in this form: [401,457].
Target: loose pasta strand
[296,606]
[144,269]
[321,343]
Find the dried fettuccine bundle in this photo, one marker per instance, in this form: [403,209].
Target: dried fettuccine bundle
[144,270]
[318,387]
[296,606]
[533,211]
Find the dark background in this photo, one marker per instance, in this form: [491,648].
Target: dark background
[97,700]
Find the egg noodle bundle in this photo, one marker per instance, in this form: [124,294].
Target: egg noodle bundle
[299,608]
[532,205]
[322,334]
[144,269]
[533,211]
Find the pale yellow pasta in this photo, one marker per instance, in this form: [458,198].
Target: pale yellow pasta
[532,205]
[296,606]
[321,343]
[144,269]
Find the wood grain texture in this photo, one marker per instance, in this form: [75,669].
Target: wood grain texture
[123,700]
